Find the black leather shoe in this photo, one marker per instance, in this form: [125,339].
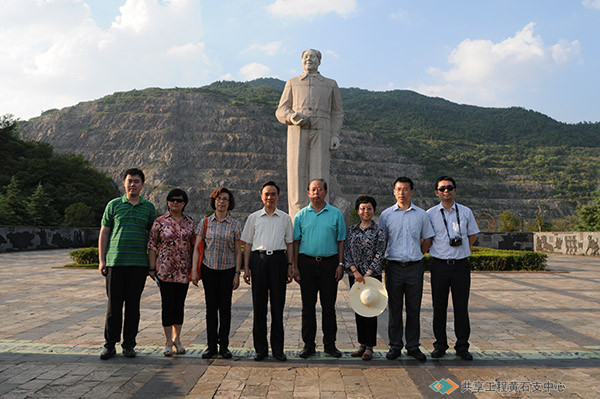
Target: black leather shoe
[259,356]
[464,355]
[417,354]
[280,356]
[306,353]
[129,352]
[437,353]
[209,353]
[225,353]
[332,351]
[107,353]
[393,354]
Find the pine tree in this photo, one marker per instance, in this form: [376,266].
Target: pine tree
[40,209]
[13,209]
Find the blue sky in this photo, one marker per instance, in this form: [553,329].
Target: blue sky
[537,54]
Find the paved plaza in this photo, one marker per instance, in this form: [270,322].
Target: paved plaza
[533,335]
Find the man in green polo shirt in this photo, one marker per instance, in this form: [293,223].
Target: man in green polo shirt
[319,234]
[124,261]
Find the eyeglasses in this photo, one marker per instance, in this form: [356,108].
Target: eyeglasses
[176,200]
[444,188]
[222,199]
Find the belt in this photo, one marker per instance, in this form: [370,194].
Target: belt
[449,261]
[269,252]
[404,264]
[319,258]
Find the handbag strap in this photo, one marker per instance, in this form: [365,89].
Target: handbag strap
[204,232]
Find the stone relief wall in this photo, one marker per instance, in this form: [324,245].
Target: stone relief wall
[23,238]
[577,243]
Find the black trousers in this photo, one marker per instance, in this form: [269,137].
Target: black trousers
[404,284]
[172,297]
[124,286]
[457,279]
[366,327]
[269,279]
[318,278]
[218,288]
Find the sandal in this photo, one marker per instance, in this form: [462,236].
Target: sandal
[368,355]
[167,352]
[179,349]
[359,352]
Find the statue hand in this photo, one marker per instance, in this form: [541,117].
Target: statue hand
[298,119]
[335,143]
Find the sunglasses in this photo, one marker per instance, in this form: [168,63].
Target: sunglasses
[444,188]
[176,200]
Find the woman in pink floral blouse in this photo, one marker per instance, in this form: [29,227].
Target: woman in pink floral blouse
[170,249]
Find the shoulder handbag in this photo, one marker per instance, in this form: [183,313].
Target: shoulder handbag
[201,246]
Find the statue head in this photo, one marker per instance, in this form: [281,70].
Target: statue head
[311,59]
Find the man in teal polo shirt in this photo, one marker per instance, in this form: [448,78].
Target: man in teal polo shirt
[319,234]
[124,261]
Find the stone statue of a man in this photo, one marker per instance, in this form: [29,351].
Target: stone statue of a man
[311,106]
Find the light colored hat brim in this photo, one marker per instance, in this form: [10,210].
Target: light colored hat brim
[376,308]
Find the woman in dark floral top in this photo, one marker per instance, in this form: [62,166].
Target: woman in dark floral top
[364,250]
[170,248]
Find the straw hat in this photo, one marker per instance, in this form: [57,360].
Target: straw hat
[369,299]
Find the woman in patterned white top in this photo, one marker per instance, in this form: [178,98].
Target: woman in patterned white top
[220,270]
[170,248]
[364,250]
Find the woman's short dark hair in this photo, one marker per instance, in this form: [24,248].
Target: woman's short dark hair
[177,192]
[215,194]
[365,199]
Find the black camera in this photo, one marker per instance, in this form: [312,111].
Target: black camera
[456,241]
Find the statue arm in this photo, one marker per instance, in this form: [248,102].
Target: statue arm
[284,110]
[337,111]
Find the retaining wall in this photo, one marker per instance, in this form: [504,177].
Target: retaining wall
[569,243]
[23,238]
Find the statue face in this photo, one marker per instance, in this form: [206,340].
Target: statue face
[310,61]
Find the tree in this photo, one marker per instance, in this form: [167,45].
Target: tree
[509,222]
[79,215]
[12,207]
[40,208]
[589,217]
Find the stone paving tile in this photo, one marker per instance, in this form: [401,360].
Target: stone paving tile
[526,327]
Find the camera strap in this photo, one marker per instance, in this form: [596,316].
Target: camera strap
[457,219]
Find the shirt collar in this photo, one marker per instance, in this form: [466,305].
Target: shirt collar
[312,75]
[410,208]
[126,201]
[214,217]
[264,212]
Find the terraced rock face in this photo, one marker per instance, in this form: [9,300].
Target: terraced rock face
[199,140]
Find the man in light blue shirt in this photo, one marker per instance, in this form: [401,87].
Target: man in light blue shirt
[455,232]
[319,234]
[409,233]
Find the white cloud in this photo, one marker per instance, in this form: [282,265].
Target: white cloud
[254,70]
[227,76]
[52,54]
[594,4]
[301,8]
[271,48]
[484,72]
[332,53]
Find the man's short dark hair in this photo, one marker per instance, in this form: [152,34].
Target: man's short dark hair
[321,180]
[215,194]
[177,192]
[404,179]
[269,183]
[439,179]
[134,172]
[365,199]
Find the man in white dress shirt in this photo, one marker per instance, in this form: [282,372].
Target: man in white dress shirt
[268,239]
[455,232]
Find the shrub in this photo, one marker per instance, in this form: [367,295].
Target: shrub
[494,260]
[85,256]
